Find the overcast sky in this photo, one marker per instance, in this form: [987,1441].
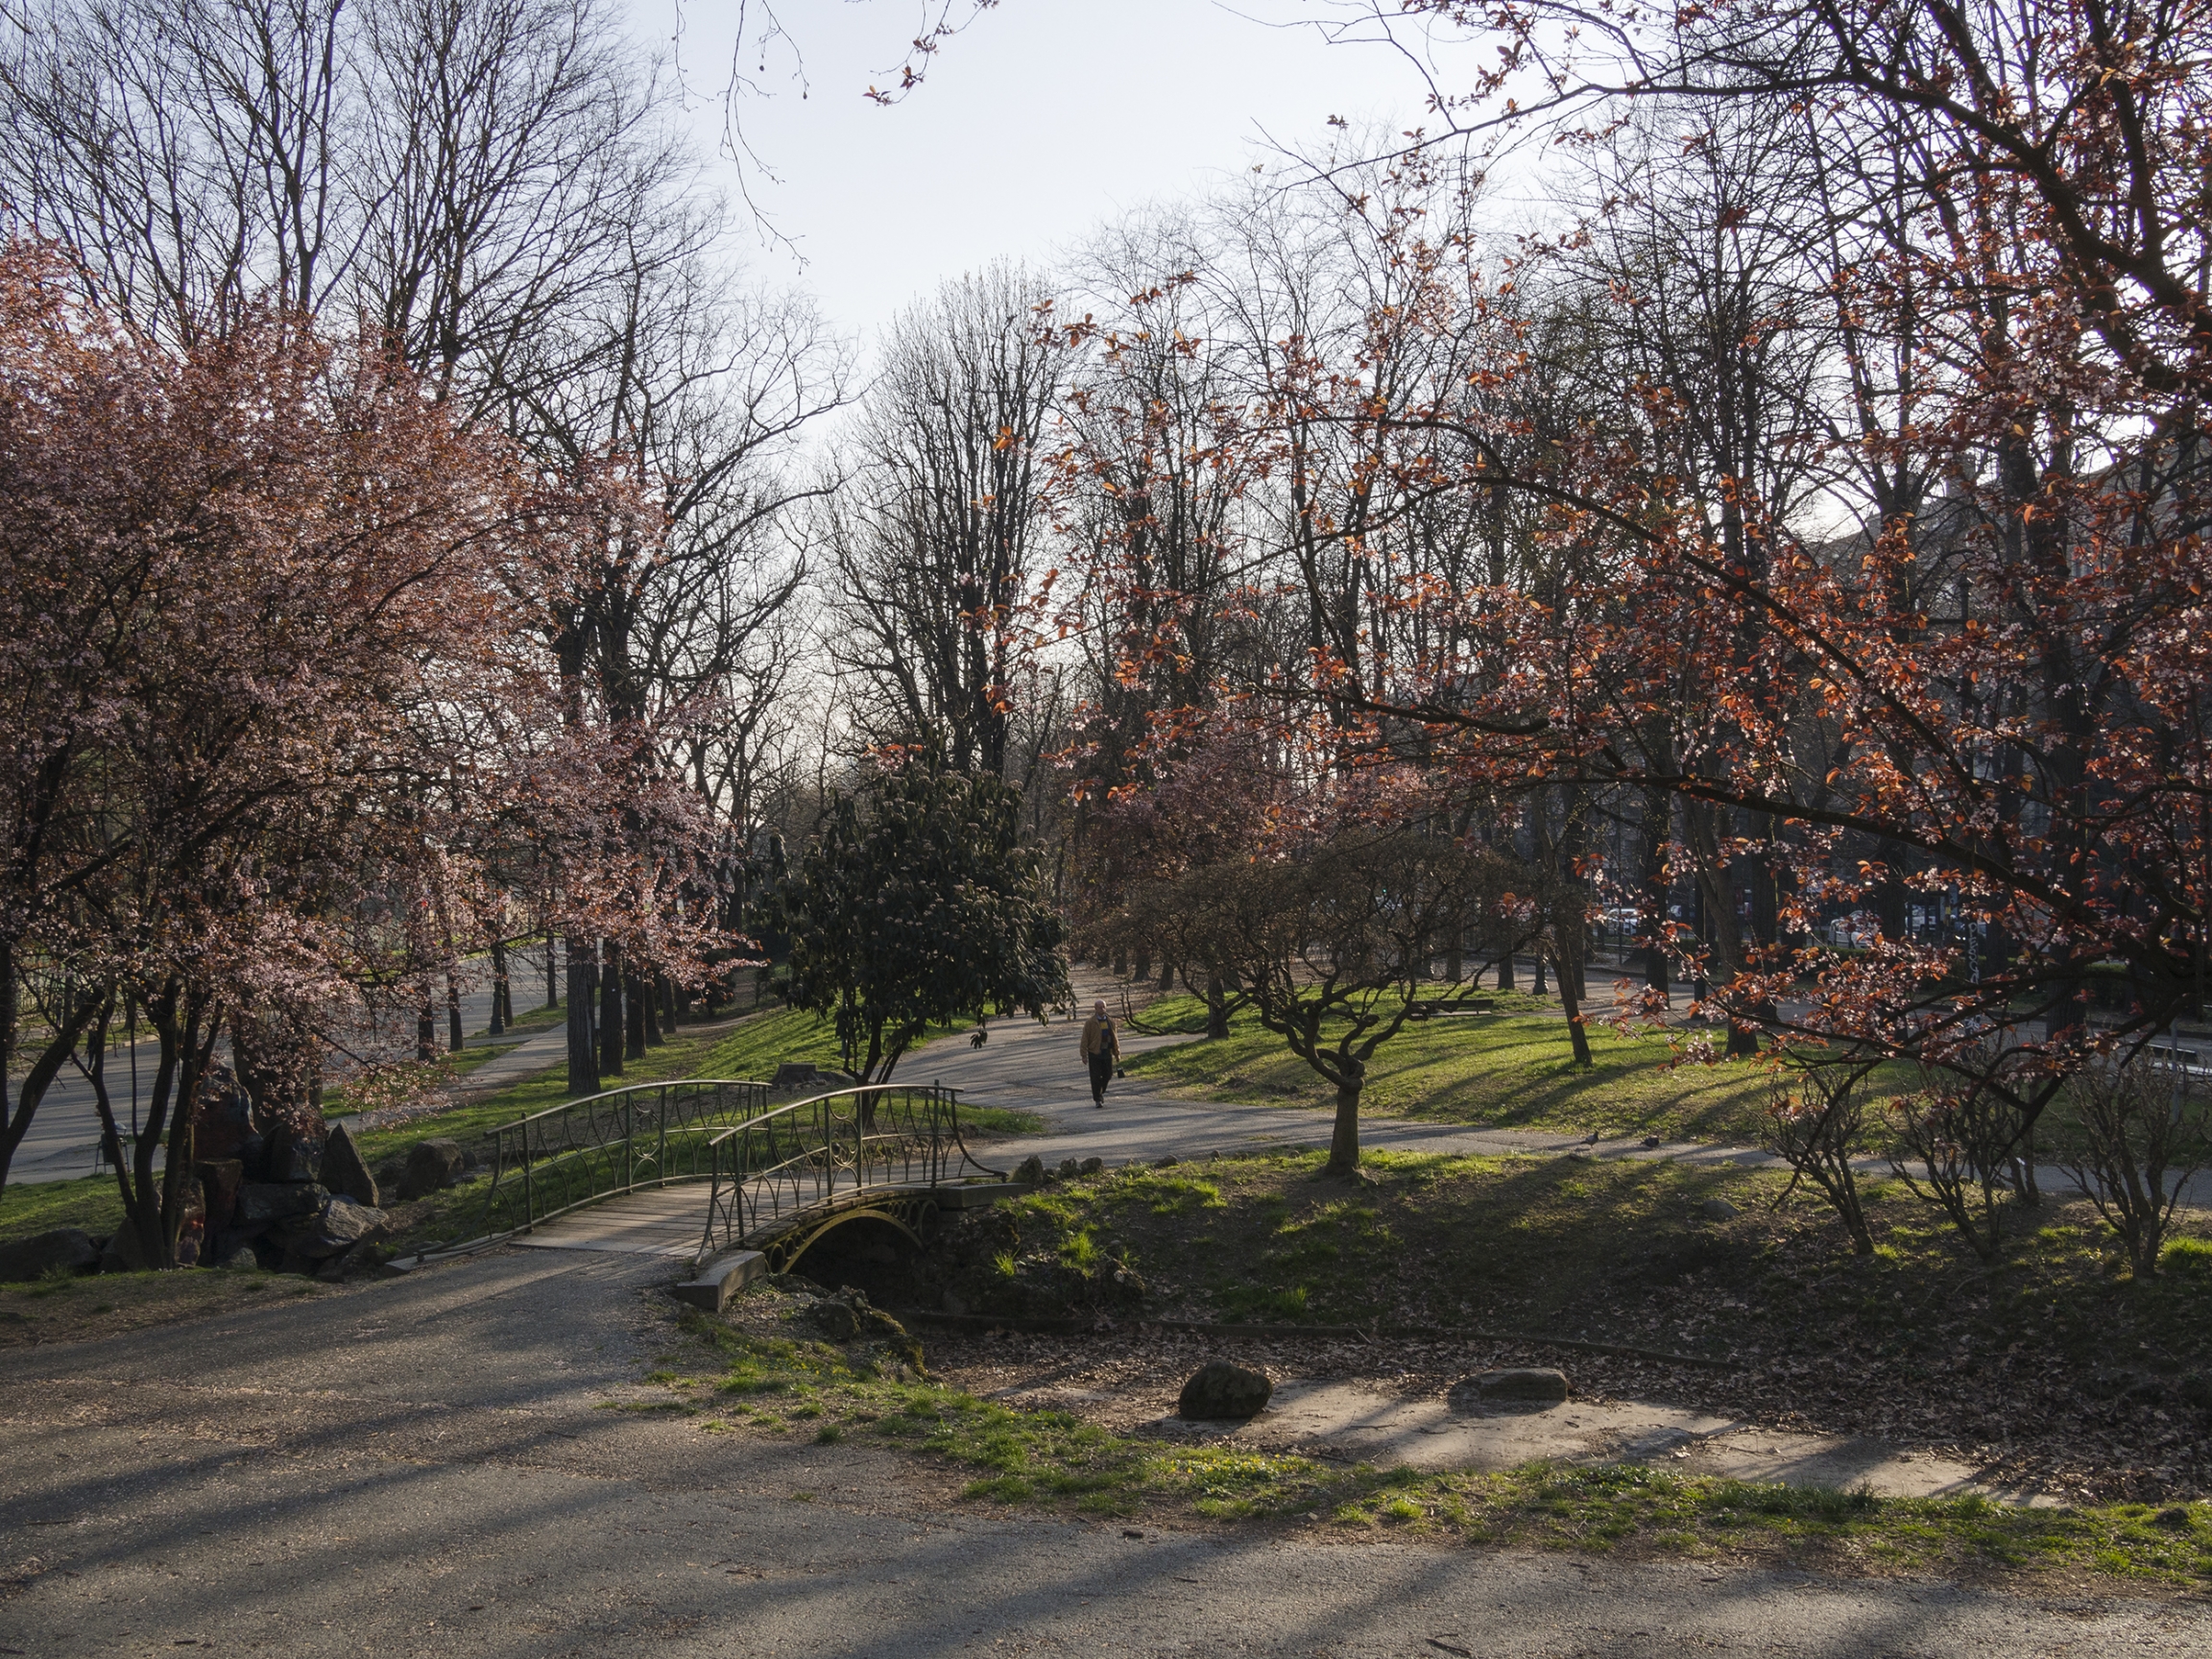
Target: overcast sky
[1041,120]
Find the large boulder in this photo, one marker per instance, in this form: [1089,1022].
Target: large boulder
[65,1249]
[345,1170]
[1219,1388]
[261,1203]
[222,1124]
[365,1260]
[220,1178]
[1520,1385]
[123,1252]
[295,1151]
[432,1165]
[331,1231]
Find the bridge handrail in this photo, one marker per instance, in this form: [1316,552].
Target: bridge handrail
[541,1167]
[796,1143]
[626,1089]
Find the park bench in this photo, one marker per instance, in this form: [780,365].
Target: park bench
[1446,1007]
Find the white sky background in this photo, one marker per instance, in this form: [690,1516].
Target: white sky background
[1040,121]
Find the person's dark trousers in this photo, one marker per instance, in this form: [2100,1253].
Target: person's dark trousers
[1101,1073]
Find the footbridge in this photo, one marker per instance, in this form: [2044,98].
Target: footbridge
[701,1167]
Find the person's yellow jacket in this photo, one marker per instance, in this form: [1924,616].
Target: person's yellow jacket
[1098,1037]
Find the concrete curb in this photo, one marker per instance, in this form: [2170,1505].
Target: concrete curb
[722,1279]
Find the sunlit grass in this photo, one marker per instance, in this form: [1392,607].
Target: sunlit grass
[1056,1459]
[1507,1070]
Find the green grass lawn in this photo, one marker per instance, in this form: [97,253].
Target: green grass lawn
[736,1380]
[1508,1069]
[91,1202]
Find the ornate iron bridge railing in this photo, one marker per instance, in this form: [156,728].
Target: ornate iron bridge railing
[817,1158]
[623,1140]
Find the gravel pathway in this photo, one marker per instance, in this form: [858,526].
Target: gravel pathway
[424,1467]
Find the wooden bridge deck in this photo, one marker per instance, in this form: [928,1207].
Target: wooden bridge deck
[666,1221]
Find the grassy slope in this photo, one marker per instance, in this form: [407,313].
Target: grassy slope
[91,1202]
[1600,1249]
[1509,1069]
[729,1381]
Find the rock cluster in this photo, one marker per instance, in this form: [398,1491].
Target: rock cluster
[63,1250]
[290,1197]
[308,1204]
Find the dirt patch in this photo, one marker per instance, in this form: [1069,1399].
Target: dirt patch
[1392,1404]
[111,1303]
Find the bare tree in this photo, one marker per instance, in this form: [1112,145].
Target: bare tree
[935,534]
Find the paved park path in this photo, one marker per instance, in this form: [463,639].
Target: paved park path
[423,1467]
[1038,1069]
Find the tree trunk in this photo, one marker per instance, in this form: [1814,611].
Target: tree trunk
[501,1014]
[583,1051]
[1344,1137]
[15,1117]
[1167,977]
[1506,971]
[668,1005]
[611,1032]
[1216,1005]
[1719,920]
[426,1027]
[1658,829]
[453,1030]
[553,974]
[1571,1004]
[1142,966]
[639,1017]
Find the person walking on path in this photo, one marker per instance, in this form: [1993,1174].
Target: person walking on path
[1101,1051]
